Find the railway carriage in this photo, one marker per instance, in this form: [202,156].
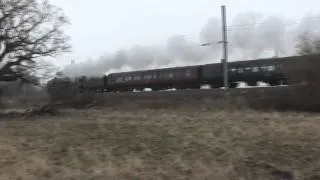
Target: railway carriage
[275,71]
[156,79]
[251,72]
[300,69]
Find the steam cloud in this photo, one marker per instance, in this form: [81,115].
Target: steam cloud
[250,35]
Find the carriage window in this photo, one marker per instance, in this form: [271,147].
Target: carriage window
[233,70]
[154,76]
[119,79]
[188,73]
[170,75]
[271,68]
[240,70]
[247,68]
[264,68]
[137,78]
[255,69]
[128,78]
[147,77]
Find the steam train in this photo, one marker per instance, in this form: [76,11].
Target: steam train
[274,71]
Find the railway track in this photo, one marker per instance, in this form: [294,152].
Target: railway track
[194,94]
[187,91]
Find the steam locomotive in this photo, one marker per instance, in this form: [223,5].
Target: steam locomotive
[274,71]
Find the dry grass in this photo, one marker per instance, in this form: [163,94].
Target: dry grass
[135,144]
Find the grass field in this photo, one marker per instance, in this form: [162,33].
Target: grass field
[134,144]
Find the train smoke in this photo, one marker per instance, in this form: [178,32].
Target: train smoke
[211,33]
[250,34]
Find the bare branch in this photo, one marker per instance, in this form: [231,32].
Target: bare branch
[29,30]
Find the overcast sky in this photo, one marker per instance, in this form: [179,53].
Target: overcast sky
[104,26]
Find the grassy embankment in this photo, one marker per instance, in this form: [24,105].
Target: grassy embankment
[161,144]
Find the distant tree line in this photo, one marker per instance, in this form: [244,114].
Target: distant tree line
[308,43]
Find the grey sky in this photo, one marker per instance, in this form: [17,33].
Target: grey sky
[104,26]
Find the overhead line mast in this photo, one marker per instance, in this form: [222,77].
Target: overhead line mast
[224,47]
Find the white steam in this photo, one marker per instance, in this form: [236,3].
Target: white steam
[249,35]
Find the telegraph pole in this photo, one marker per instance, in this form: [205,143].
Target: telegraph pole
[224,47]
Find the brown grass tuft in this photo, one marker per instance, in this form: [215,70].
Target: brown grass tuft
[134,144]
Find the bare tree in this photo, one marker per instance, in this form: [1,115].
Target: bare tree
[30,31]
[40,73]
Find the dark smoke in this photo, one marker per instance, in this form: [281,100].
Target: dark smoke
[250,35]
